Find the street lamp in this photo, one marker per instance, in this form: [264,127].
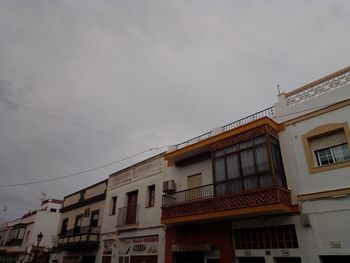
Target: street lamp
[39,238]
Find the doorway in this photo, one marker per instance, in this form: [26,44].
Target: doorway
[131,208]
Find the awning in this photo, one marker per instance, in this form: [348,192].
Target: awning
[192,247]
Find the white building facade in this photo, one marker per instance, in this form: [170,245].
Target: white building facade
[131,230]
[22,234]
[78,230]
[271,187]
[315,149]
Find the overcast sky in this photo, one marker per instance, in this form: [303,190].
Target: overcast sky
[149,73]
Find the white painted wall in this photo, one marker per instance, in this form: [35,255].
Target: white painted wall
[328,217]
[51,205]
[330,223]
[180,174]
[284,112]
[305,237]
[137,177]
[47,223]
[295,160]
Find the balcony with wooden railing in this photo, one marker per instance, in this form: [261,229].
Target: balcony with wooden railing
[205,203]
[86,237]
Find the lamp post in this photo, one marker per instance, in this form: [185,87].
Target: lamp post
[39,238]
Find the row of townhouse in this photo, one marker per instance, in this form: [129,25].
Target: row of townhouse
[271,187]
[19,238]
[116,220]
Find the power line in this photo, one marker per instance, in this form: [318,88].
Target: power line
[129,157]
[51,116]
[82,171]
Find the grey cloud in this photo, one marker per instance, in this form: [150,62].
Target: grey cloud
[154,72]
[6,95]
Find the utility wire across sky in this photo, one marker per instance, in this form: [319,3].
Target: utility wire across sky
[83,171]
[114,162]
[73,123]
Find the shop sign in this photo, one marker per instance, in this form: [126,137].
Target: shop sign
[139,246]
[108,246]
[335,244]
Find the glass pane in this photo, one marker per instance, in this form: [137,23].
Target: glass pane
[346,151]
[274,140]
[232,166]
[219,169]
[219,153]
[250,183]
[266,180]
[280,179]
[246,144]
[325,156]
[247,162]
[261,158]
[231,149]
[235,186]
[277,159]
[341,152]
[220,189]
[260,139]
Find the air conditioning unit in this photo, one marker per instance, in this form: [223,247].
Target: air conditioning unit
[169,187]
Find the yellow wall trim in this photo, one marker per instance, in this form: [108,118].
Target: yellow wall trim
[318,132]
[324,194]
[316,113]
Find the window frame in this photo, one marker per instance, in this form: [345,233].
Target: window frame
[76,229]
[113,207]
[64,226]
[250,174]
[94,212]
[318,132]
[151,195]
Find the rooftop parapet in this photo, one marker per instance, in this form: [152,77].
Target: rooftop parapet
[316,88]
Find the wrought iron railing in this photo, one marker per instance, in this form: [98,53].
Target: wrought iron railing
[86,235]
[128,216]
[197,193]
[334,81]
[269,112]
[81,230]
[14,242]
[186,202]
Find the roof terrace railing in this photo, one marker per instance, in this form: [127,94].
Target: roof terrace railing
[269,112]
